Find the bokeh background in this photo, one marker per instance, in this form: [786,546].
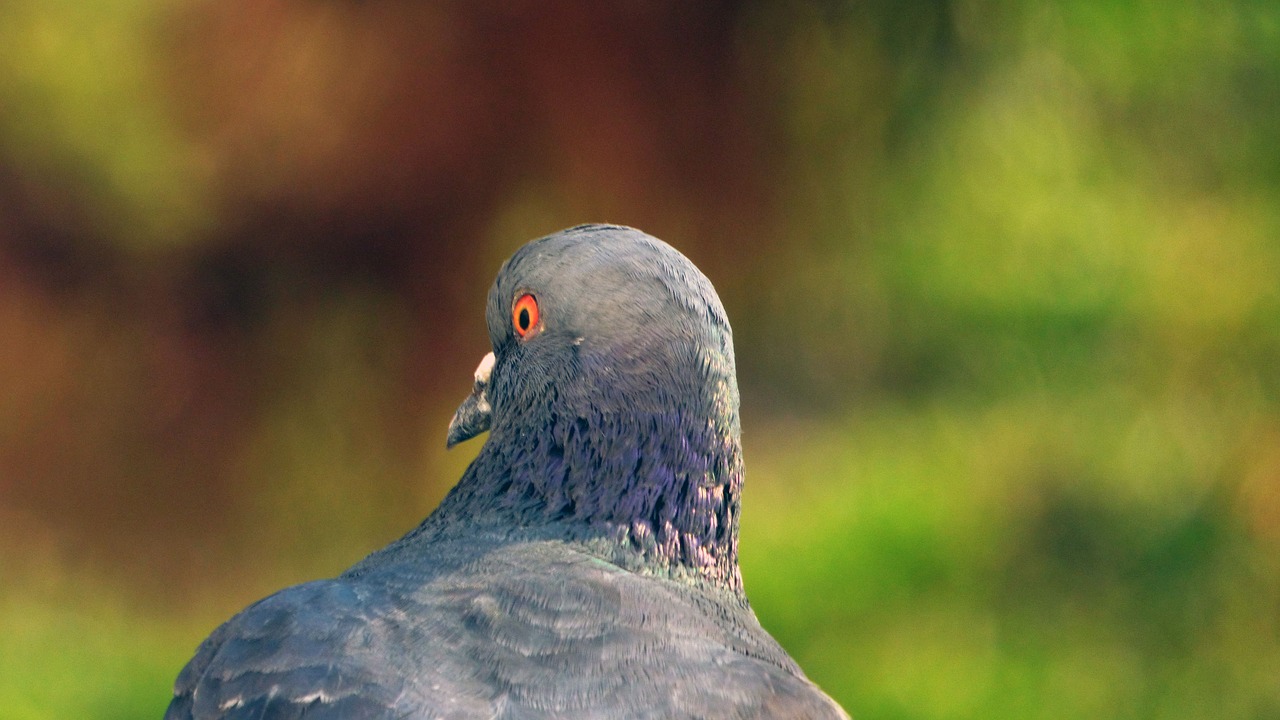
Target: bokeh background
[1005,280]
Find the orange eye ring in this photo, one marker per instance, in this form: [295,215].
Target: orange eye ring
[525,316]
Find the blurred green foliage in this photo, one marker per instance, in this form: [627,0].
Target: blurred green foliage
[1011,364]
[79,82]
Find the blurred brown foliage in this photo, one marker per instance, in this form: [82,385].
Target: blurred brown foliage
[330,178]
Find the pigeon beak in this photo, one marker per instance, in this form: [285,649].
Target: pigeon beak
[474,415]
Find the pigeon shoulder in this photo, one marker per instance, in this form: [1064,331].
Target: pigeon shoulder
[522,629]
[324,649]
[549,626]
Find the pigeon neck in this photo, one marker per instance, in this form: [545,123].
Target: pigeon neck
[654,491]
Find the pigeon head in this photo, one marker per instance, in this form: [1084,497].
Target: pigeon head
[599,319]
[611,400]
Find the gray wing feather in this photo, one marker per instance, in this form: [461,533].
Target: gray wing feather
[532,631]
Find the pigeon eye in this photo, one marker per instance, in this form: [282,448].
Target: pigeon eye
[524,315]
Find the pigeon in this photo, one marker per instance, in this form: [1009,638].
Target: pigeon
[585,565]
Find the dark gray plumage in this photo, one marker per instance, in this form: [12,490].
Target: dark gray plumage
[586,564]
